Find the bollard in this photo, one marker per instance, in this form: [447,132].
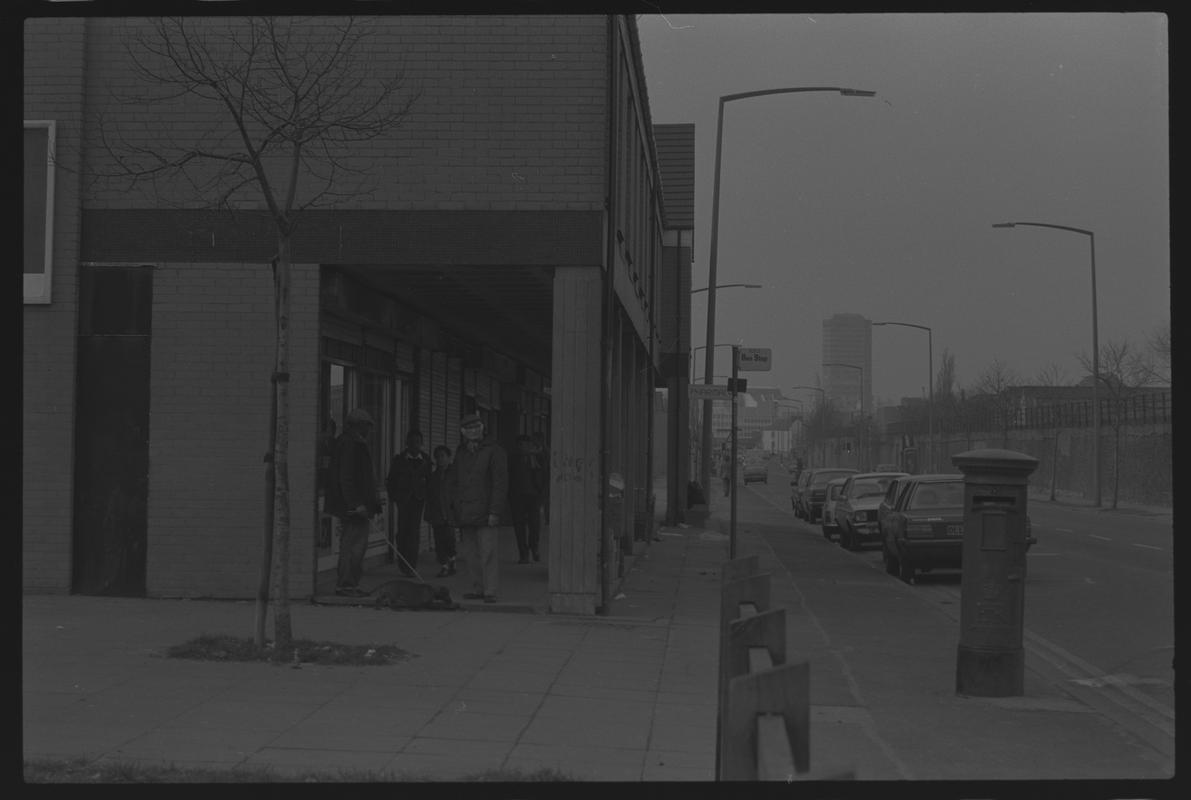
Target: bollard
[783,691]
[990,661]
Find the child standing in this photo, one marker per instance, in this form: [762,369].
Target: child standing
[436,513]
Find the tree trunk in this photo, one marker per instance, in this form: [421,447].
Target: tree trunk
[282,627]
[266,570]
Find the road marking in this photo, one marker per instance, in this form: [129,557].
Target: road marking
[1147,546]
[1102,538]
[1065,530]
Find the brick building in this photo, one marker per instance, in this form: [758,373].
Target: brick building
[505,260]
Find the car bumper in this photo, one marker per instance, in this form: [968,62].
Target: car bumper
[932,552]
[865,531]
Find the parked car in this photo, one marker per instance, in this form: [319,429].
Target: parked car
[756,470]
[814,491]
[923,528]
[829,524]
[887,468]
[856,509]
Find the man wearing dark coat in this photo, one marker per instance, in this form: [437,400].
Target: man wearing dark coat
[476,491]
[527,484]
[406,482]
[352,498]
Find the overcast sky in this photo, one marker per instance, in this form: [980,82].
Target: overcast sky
[883,206]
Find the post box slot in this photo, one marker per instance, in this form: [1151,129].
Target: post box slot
[995,501]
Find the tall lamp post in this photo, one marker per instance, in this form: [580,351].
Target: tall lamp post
[705,467]
[930,376]
[1095,345]
[859,369]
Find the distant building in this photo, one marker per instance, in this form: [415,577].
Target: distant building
[847,339]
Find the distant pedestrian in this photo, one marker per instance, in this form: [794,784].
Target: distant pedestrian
[477,486]
[352,498]
[406,482]
[527,479]
[436,512]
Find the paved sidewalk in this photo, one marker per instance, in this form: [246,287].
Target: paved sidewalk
[626,697]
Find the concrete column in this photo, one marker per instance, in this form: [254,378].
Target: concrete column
[576,391]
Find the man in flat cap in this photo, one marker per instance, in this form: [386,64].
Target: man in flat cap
[352,498]
[476,491]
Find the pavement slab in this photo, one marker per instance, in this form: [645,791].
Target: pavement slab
[630,696]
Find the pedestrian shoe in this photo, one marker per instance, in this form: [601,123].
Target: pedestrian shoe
[489,598]
[473,596]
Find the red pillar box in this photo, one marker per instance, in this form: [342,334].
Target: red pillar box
[991,657]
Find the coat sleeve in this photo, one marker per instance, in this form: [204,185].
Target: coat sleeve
[498,499]
[349,482]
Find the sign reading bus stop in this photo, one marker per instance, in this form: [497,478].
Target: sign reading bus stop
[755,359]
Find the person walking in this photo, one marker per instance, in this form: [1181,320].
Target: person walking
[436,513]
[352,498]
[477,486]
[527,478]
[406,482]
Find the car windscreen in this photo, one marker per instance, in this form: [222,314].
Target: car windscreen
[820,479]
[943,494]
[867,489]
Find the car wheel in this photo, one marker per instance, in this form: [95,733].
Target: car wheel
[891,565]
[905,570]
[845,538]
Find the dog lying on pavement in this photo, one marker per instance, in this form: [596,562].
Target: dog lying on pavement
[413,596]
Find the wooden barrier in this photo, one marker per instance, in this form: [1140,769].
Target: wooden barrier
[763,716]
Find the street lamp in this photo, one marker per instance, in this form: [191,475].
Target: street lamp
[862,417]
[1095,345]
[703,347]
[729,286]
[930,376]
[705,467]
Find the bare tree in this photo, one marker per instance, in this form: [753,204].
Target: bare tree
[947,407]
[1158,343]
[1052,375]
[1123,369]
[286,98]
[991,389]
